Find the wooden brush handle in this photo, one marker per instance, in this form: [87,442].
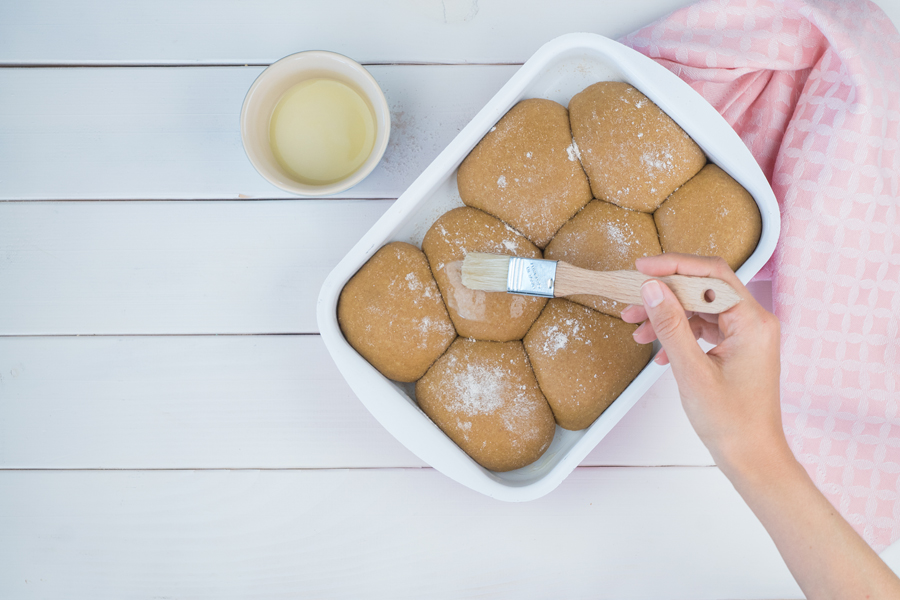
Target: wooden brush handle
[625,286]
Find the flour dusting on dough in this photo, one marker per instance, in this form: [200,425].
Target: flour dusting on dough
[556,341]
[488,388]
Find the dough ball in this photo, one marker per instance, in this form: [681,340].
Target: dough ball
[583,360]
[633,153]
[495,316]
[526,171]
[391,312]
[604,237]
[484,396]
[710,215]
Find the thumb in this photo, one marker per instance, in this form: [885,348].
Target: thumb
[671,326]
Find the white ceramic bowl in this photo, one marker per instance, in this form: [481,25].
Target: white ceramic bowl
[280,76]
[557,71]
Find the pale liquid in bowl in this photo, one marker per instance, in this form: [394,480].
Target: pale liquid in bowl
[321,131]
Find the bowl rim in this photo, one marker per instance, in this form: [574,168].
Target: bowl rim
[379,106]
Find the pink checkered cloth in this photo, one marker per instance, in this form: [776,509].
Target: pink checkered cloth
[813,89]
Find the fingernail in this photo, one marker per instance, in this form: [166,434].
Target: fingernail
[651,293]
[638,330]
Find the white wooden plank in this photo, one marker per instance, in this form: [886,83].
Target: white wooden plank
[606,533]
[240,32]
[891,557]
[236,401]
[156,133]
[171,267]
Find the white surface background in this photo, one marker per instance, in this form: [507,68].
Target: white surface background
[170,423]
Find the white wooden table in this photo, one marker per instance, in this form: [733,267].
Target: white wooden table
[170,423]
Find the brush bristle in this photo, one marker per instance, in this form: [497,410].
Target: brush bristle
[486,272]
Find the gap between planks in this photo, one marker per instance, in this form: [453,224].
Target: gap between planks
[93,200]
[126,64]
[75,335]
[110,200]
[301,469]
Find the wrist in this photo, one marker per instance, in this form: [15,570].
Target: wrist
[758,465]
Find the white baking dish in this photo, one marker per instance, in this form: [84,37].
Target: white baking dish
[557,71]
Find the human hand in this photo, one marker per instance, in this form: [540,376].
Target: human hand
[730,394]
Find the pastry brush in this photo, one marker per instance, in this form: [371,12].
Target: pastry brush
[555,279]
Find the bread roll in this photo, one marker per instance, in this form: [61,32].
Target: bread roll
[484,396]
[498,317]
[710,215]
[392,313]
[526,171]
[583,360]
[634,154]
[604,237]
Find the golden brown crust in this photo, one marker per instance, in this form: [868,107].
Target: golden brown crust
[583,360]
[634,154]
[495,316]
[604,237]
[484,396]
[710,215]
[525,171]
[392,313]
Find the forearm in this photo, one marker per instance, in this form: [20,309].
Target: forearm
[731,396]
[825,555]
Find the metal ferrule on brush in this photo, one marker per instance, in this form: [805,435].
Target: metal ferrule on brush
[530,276]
